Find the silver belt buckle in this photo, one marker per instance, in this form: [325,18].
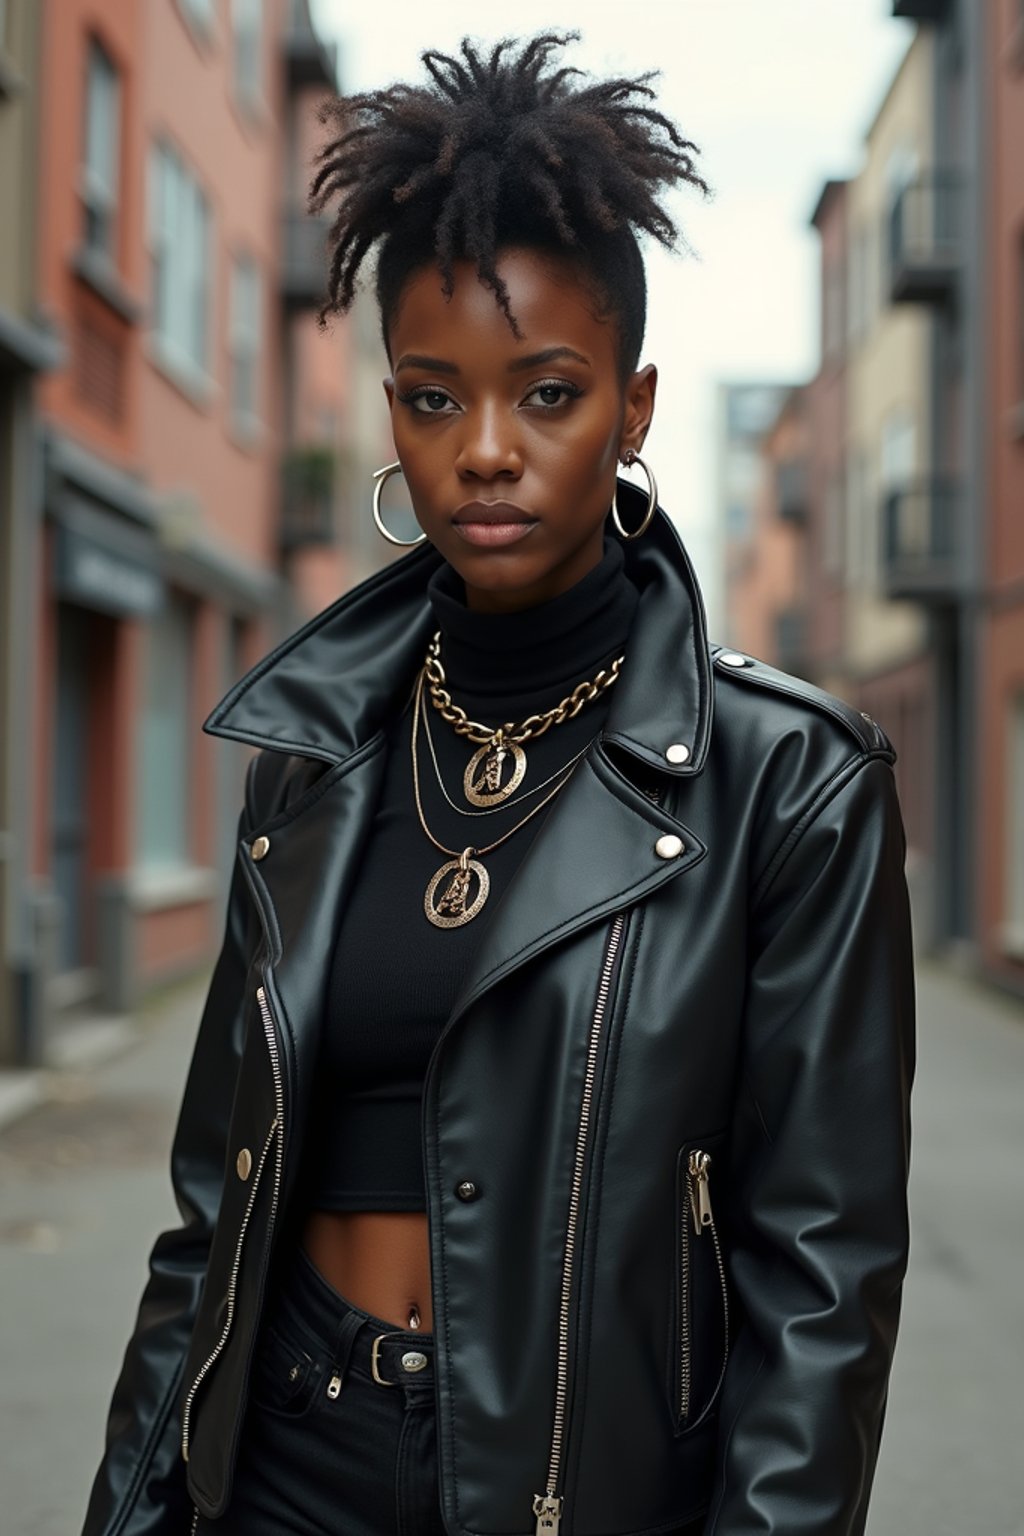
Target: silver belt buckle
[375,1355]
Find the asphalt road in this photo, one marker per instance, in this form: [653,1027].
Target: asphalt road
[84,1190]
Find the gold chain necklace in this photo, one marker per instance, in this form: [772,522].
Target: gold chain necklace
[455,908]
[482,780]
[491,810]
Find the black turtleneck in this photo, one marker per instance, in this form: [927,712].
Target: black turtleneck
[394,975]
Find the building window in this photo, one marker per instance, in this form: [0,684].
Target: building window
[163,797]
[102,149]
[181,255]
[244,342]
[247,21]
[1014,937]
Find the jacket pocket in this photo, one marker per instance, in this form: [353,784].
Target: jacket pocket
[285,1376]
[700,1342]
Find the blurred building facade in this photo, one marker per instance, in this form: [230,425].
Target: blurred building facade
[27,349]
[181,496]
[910,578]
[743,414]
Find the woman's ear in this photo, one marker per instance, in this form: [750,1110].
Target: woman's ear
[641,388]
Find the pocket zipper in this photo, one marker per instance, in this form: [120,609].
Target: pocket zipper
[699,1208]
[276,1131]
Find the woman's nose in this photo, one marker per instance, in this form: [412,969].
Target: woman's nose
[489,446]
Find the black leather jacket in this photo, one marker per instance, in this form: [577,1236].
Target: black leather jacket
[677,1076]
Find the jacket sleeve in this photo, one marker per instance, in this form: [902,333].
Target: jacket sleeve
[140,1489]
[819,1238]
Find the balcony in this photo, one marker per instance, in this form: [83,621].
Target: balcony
[307,498]
[921,541]
[791,491]
[925,223]
[921,10]
[304,264]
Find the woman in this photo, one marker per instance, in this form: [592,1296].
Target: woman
[542,1161]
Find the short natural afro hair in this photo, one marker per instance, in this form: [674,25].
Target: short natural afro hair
[497,151]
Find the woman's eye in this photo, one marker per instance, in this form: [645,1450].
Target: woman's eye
[429,402]
[552,394]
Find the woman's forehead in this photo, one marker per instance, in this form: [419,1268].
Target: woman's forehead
[553,306]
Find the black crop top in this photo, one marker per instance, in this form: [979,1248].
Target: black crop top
[394,975]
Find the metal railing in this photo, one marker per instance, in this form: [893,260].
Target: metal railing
[925,230]
[922,553]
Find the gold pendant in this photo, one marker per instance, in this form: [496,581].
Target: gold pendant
[455,907]
[485,788]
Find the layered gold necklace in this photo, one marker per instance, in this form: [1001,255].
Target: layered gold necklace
[500,748]
[458,903]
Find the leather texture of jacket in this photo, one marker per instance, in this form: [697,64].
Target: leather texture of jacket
[677,1075]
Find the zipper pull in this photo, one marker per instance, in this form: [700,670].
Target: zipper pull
[700,1191]
[334,1386]
[548,1510]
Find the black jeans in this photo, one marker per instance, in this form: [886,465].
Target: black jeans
[326,1446]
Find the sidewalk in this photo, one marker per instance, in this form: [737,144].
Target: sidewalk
[84,1189]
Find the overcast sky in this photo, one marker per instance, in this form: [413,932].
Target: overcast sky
[777,94]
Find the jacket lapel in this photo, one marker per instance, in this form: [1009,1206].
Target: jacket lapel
[594,856]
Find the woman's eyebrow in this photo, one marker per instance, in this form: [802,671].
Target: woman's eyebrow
[549,355]
[534,360]
[418,360]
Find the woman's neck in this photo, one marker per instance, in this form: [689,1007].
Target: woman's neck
[537,652]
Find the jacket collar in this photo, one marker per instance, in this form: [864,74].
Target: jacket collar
[328,688]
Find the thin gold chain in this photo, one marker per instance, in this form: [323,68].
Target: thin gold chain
[532,726]
[491,810]
[459,852]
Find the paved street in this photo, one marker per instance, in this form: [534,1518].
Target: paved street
[84,1189]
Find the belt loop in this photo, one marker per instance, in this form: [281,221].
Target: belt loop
[341,1350]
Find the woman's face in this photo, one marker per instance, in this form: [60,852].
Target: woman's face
[509,447]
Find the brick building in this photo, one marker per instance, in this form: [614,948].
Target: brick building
[188,504]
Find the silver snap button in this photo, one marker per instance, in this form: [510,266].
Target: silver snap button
[413,1360]
[677,753]
[466,1190]
[732,659]
[260,848]
[243,1163]
[669,846]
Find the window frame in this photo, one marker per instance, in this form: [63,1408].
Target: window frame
[100,186]
[182,254]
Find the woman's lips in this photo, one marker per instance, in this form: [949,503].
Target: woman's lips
[492,525]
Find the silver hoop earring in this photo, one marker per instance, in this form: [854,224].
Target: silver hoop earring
[652,497]
[380,479]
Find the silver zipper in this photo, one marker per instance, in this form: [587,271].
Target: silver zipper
[195,1518]
[547,1506]
[698,1200]
[276,1130]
